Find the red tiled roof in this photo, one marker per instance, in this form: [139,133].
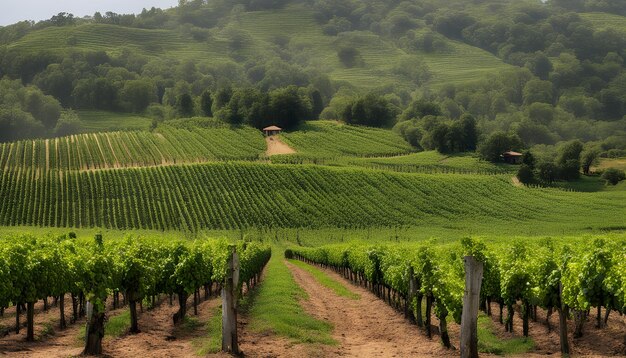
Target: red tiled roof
[272,128]
[512,154]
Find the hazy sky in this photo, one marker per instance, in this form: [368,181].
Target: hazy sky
[12,11]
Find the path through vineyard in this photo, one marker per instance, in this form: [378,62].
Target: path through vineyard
[275,146]
[365,327]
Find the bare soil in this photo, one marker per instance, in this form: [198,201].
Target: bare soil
[366,327]
[608,341]
[158,337]
[276,147]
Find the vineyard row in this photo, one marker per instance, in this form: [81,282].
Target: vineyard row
[168,145]
[32,269]
[565,277]
[240,195]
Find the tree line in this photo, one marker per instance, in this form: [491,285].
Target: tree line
[566,83]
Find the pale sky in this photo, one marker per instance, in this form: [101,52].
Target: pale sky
[12,11]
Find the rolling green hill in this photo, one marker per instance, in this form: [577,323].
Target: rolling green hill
[295,21]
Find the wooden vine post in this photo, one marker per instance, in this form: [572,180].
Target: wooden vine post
[563,313]
[229,305]
[412,294]
[471,300]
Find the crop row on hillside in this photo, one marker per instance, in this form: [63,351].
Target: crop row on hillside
[132,149]
[432,162]
[238,195]
[326,139]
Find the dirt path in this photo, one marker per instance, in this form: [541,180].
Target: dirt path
[516,182]
[366,327]
[276,147]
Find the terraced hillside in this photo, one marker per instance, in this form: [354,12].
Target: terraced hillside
[229,196]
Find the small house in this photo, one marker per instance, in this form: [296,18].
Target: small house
[271,130]
[512,157]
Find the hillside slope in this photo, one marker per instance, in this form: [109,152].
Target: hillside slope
[238,195]
[296,22]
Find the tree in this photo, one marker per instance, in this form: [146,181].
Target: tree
[452,23]
[588,158]
[68,124]
[184,104]
[370,110]
[538,91]
[63,19]
[16,124]
[497,143]
[529,159]
[469,139]
[44,108]
[206,103]
[246,105]
[138,94]
[317,103]
[420,108]
[547,171]
[222,97]
[525,174]
[540,65]
[349,56]
[542,113]
[613,176]
[568,160]
[288,107]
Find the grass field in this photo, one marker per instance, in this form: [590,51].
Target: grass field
[605,163]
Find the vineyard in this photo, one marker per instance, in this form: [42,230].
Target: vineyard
[326,139]
[561,276]
[240,195]
[168,145]
[431,162]
[34,269]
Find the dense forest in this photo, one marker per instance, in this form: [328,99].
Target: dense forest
[562,78]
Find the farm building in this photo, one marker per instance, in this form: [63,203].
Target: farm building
[512,157]
[272,130]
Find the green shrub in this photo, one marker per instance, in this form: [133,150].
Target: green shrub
[613,176]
